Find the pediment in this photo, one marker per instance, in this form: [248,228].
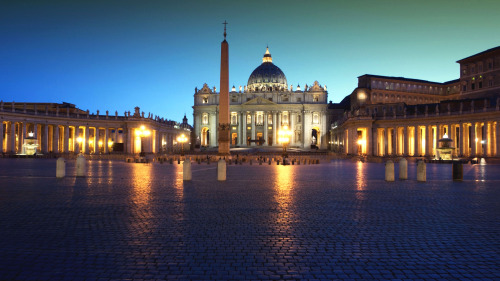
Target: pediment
[259,101]
[205,89]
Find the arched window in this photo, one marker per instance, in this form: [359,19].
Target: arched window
[204,120]
[316,118]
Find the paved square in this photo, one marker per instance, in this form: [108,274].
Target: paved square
[337,220]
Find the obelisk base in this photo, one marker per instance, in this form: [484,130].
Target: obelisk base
[224,141]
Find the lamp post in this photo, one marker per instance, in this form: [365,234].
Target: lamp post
[182,139]
[142,132]
[284,138]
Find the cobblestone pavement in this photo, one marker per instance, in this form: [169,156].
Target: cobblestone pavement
[332,221]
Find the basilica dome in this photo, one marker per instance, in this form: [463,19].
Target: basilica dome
[267,76]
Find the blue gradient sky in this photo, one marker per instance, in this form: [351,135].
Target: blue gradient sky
[115,55]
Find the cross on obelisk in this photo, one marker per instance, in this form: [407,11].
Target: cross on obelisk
[224,126]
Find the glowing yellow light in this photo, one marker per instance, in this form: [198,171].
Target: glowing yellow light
[477,139]
[361,142]
[142,132]
[182,138]
[79,139]
[91,141]
[445,136]
[100,143]
[110,143]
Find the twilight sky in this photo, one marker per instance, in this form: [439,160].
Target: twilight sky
[115,55]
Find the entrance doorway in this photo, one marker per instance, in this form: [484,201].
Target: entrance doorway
[205,136]
[234,138]
[260,139]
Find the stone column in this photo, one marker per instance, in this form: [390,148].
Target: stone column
[55,139]
[87,133]
[66,139]
[429,142]
[472,140]
[415,141]
[96,140]
[244,127]
[45,140]
[375,141]
[275,134]
[369,141]
[1,136]
[406,140]
[253,128]
[213,129]
[278,127]
[106,140]
[240,129]
[35,130]
[387,140]
[353,144]
[292,127]
[490,139]
[22,136]
[128,141]
[157,141]
[461,138]
[497,138]
[396,141]
[265,129]
[12,145]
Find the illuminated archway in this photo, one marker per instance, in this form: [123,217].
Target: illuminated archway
[315,137]
[205,136]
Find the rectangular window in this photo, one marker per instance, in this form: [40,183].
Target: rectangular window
[270,99]
[472,86]
[480,84]
[299,99]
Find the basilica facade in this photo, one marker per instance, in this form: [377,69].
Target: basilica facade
[262,108]
[397,116]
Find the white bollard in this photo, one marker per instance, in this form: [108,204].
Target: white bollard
[389,170]
[403,169]
[186,170]
[421,171]
[61,168]
[221,170]
[81,168]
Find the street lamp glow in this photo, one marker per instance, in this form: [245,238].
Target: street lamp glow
[140,133]
[182,139]
[284,136]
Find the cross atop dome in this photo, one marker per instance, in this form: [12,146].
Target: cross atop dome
[267,56]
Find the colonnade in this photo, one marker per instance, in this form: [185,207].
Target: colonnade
[54,135]
[472,138]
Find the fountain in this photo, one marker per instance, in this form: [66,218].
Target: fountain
[30,145]
[445,150]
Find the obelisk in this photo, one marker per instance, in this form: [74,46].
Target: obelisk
[224,128]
